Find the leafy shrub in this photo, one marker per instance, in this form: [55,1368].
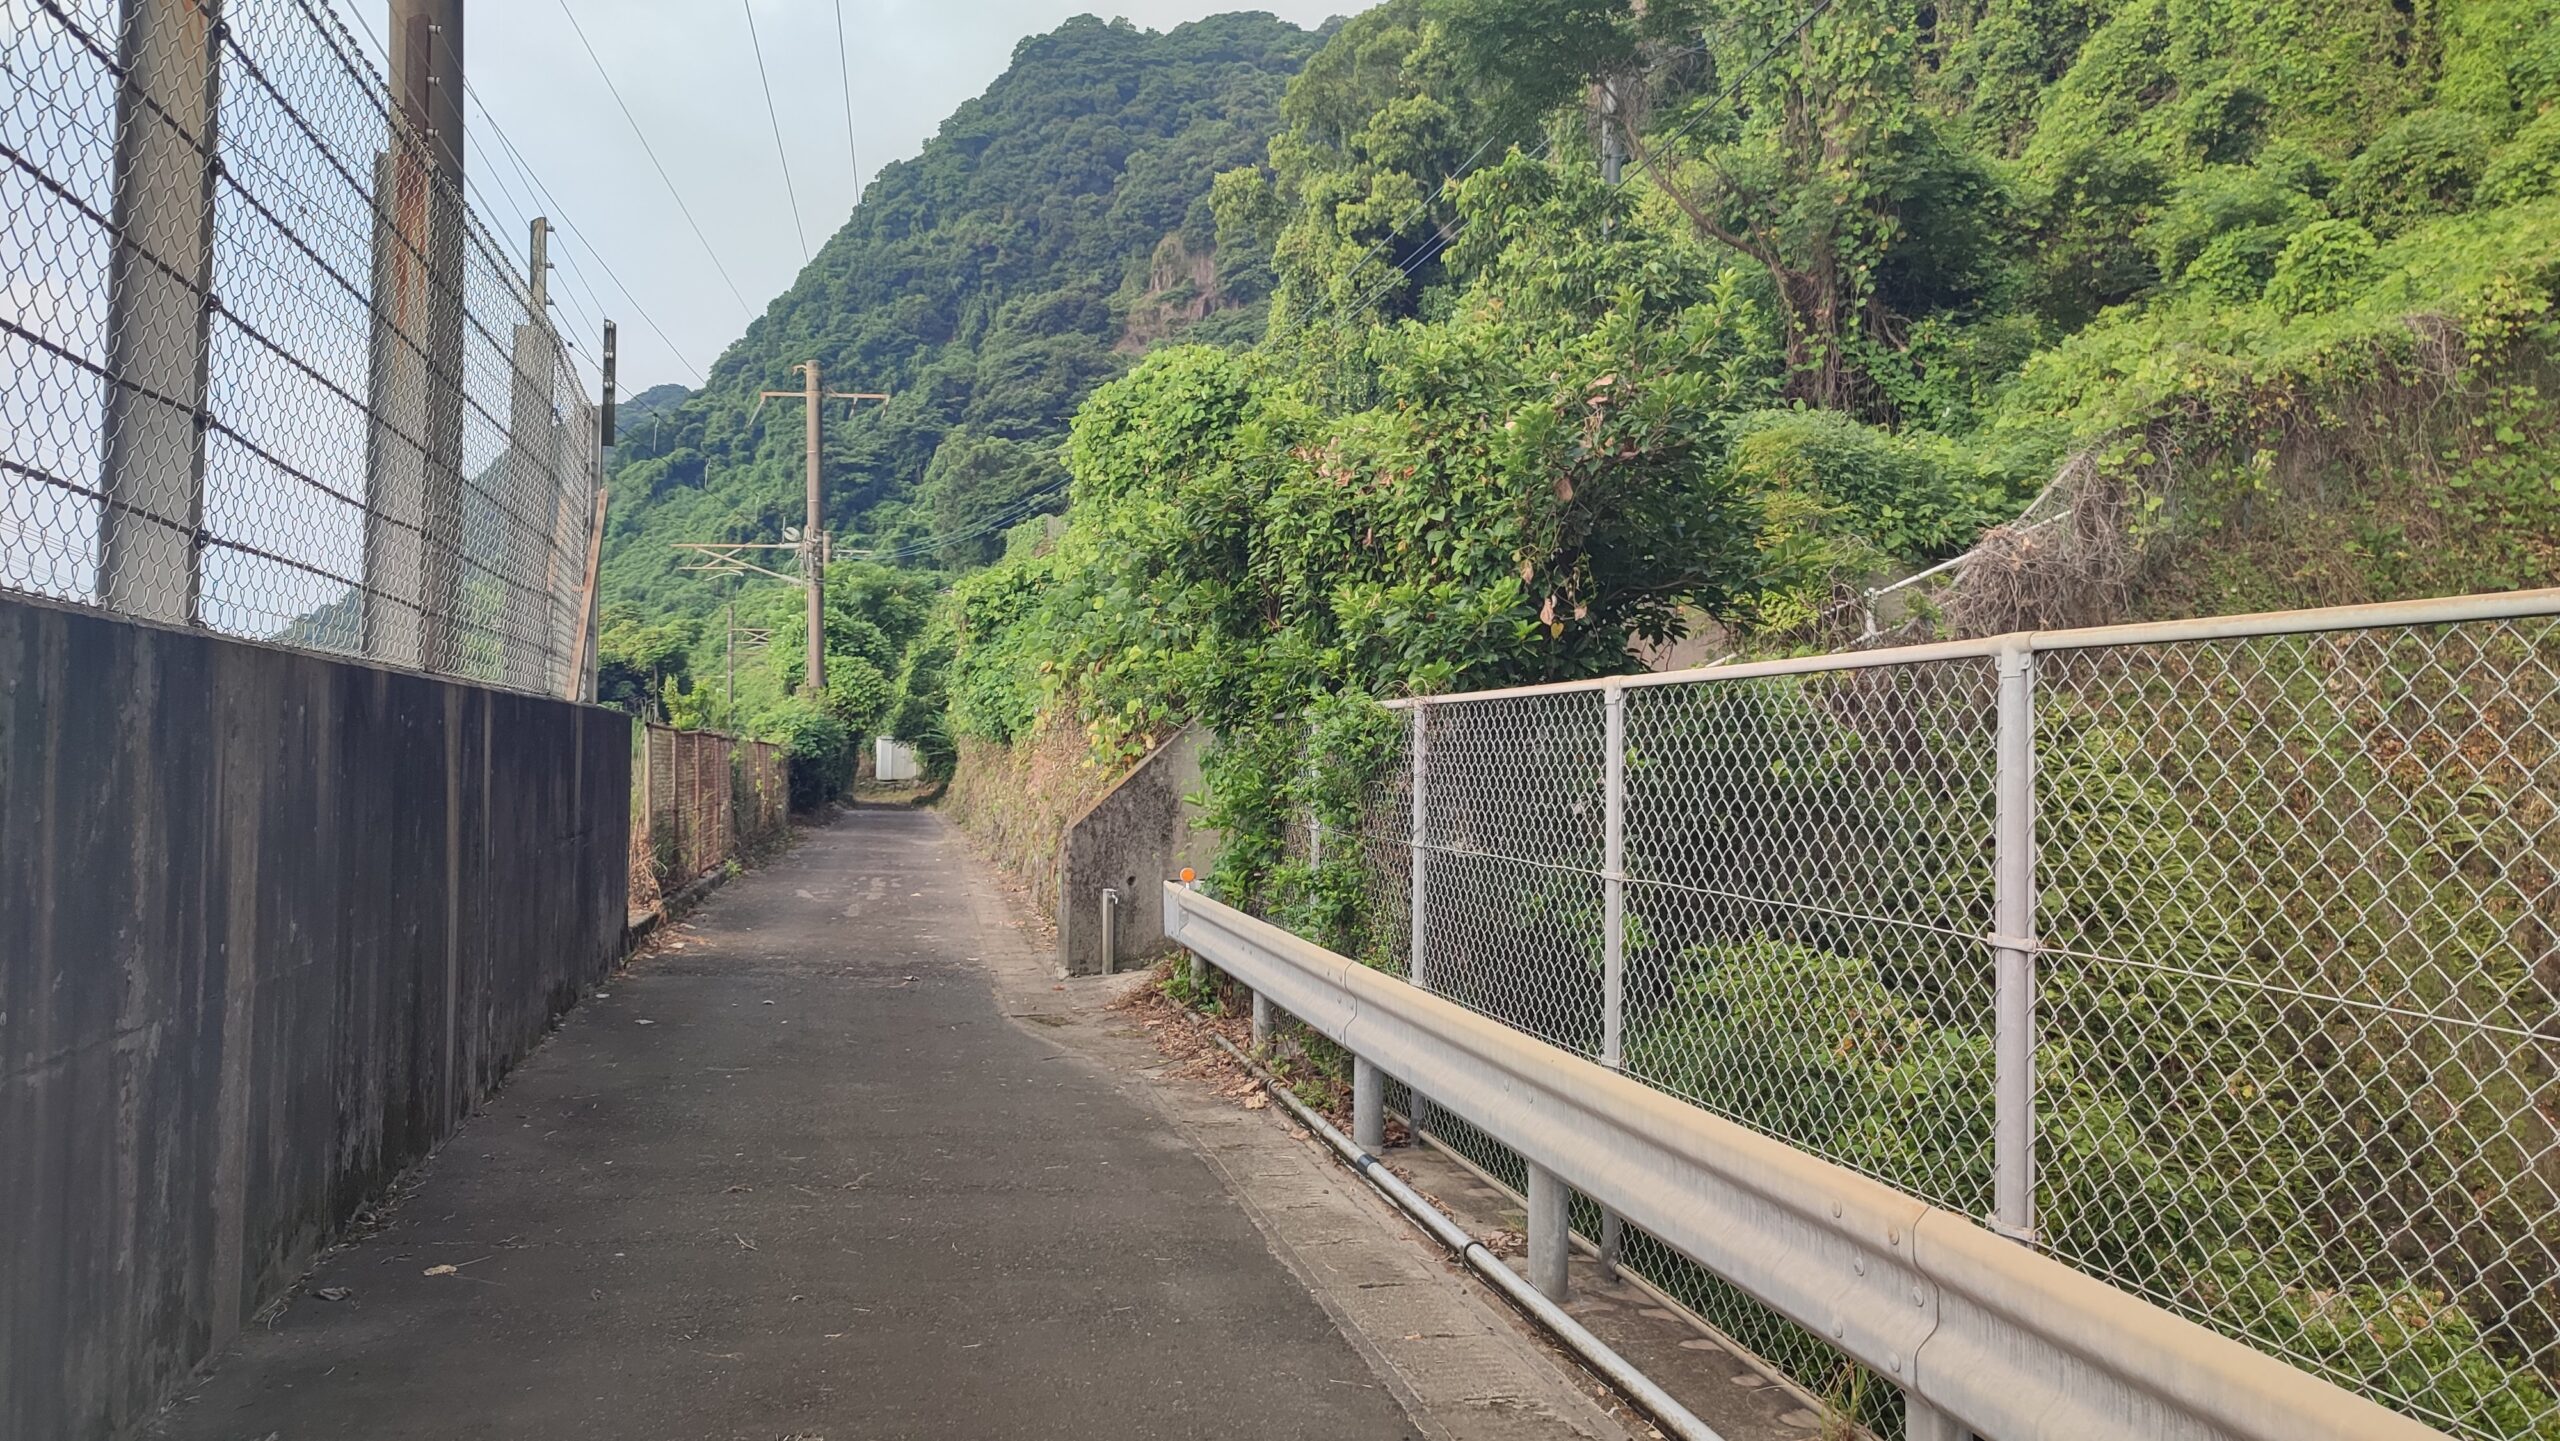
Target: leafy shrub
[2528,166]
[2322,267]
[2224,226]
[1812,1046]
[2428,163]
[819,747]
[2236,267]
[857,694]
[1840,497]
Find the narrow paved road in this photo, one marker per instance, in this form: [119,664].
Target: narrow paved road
[804,1179]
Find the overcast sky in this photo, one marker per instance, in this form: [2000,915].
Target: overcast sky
[688,72]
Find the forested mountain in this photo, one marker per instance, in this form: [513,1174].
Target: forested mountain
[1371,379]
[2275,277]
[1054,227]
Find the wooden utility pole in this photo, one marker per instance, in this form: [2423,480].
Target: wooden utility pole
[813,533]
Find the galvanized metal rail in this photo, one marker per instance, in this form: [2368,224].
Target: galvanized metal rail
[1981,1334]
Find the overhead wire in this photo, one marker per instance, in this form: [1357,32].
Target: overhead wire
[660,166]
[844,67]
[590,312]
[766,79]
[568,227]
[1020,508]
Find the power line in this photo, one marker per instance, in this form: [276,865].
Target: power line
[663,177]
[1021,508]
[776,117]
[571,256]
[589,314]
[844,67]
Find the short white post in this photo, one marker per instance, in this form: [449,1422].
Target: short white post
[1110,930]
[1548,1209]
[1368,1106]
[2013,908]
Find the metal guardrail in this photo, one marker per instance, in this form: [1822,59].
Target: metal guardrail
[1978,1331]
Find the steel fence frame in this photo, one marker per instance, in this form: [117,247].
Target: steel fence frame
[704,799]
[2247,925]
[266,373]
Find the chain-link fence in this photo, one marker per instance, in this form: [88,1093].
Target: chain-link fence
[261,369]
[2219,961]
[702,800]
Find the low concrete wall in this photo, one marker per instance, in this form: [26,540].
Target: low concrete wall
[269,926]
[1136,835]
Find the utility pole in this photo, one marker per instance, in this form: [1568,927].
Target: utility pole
[813,532]
[160,306]
[535,482]
[1613,157]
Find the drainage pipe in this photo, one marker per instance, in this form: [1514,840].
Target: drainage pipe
[1674,1418]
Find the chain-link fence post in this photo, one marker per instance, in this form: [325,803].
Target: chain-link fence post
[1613,923]
[1418,1108]
[2013,923]
[1417,967]
[160,309]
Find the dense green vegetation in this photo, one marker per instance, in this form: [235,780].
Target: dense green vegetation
[1869,282]
[1371,382]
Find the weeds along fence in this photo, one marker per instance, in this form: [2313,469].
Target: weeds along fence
[262,370]
[700,800]
[2219,960]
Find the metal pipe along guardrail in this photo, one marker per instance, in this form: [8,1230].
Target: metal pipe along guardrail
[1674,1418]
[1974,1328]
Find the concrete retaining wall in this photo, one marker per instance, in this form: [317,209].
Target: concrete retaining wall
[269,926]
[1136,835]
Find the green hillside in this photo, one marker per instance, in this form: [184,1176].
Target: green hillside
[2273,276]
[1053,228]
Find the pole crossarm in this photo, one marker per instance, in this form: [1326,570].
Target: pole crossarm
[726,558]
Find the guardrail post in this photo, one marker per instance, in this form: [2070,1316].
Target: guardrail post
[1613,933]
[1548,1210]
[2013,908]
[1261,1021]
[1924,1422]
[1368,1106]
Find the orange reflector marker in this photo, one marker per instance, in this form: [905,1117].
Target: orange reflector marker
[1187,875]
